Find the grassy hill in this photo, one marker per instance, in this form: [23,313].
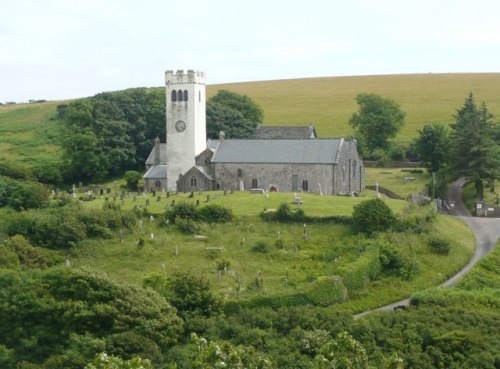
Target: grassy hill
[330,101]
[29,132]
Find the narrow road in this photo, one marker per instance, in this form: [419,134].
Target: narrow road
[486,230]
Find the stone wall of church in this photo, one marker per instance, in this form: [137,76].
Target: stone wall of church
[275,177]
[193,180]
[349,173]
[155,184]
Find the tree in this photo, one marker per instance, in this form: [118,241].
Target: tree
[377,120]
[235,115]
[103,361]
[225,355]
[132,178]
[475,150]
[372,216]
[189,293]
[344,352]
[433,146]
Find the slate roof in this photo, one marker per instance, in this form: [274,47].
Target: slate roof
[285,132]
[158,172]
[163,155]
[280,151]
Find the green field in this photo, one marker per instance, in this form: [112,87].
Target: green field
[30,133]
[393,179]
[329,102]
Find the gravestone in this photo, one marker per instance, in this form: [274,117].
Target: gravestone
[168,194]
[158,199]
[147,202]
[208,198]
[197,202]
[108,190]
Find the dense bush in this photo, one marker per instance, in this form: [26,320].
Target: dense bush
[440,245]
[215,213]
[260,246]
[186,226]
[15,171]
[132,178]
[67,317]
[62,227]
[326,291]
[284,214]
[366,268]
[395,264]
[372,216]
[189,293]
[22,195]
[182,210]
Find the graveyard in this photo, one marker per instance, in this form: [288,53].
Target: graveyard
[252,261]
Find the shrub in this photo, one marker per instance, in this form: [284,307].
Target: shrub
[132,178]
[440,245]
[260,246]
[326,291]
[372,216]
[215,213]
[186,226]
[181,210]
[395,264]
[284,214]
[15,171]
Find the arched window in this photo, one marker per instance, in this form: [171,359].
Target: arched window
[193,181]
[179,95]
[305,185]
[354,164]
[255,184]
[174,96]
[239,173]
[185,95]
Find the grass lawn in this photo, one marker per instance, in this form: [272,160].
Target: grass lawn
[393,180]
[244,203]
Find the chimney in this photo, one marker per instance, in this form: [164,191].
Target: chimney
[157,158]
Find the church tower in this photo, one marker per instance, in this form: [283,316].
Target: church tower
[186,122]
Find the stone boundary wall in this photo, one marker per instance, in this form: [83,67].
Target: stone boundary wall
[392,164]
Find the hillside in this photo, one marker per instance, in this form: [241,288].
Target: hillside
[29,132]
[329,102]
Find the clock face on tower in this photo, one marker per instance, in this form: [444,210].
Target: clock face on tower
[180,126]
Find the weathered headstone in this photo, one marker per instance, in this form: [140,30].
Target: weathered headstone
[197,202]
[191,195]
[208,198]
[168,194]
[108,190]
[158,199]
[147,202]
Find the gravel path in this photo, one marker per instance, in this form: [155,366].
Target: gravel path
[486,230]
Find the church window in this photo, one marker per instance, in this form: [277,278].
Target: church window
[185,95]
[179,95]
[305,185]
[239,173]
[255,184]
[174,96]
[354,164]
[193,181]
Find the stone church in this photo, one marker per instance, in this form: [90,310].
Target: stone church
[280,158]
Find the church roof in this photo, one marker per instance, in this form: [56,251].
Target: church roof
[304,151]
[163,155]
[158,172]
[285,132]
